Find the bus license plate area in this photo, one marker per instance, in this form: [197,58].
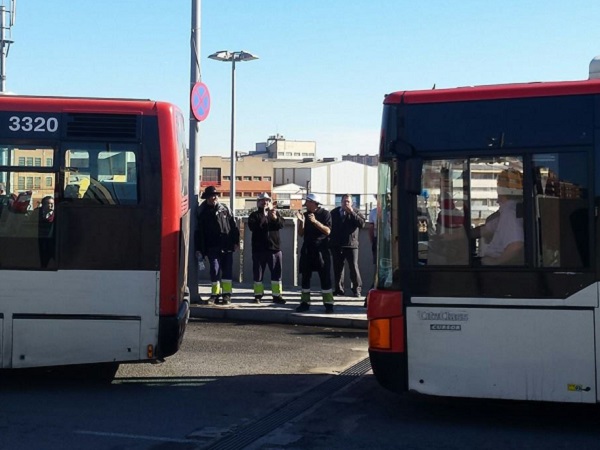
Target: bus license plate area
[523,354]
[51,342]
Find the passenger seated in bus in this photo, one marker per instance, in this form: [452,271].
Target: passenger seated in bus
[18,223]
[45,218]
[506,246]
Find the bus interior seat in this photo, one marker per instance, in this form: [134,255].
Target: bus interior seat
[123,193]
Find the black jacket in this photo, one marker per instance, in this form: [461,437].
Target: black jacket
[344,229]
[265,232]
[215,229]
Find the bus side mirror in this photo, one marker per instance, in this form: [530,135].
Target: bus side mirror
[412,176]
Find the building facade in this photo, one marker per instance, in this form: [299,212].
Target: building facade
[253,176]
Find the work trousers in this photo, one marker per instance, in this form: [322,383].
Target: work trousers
[221,270]
[324,271]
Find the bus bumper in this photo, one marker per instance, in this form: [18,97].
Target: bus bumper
[171,330]
[390,370]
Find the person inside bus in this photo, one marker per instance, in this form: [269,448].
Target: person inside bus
[45,217]
[217,236]
[505,231]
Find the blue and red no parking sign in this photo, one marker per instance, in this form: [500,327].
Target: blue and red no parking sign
[200,101]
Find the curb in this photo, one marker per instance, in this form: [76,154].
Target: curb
[285,317]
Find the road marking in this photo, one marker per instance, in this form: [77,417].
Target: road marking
[134,436]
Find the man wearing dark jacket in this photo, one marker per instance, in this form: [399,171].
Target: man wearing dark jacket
[314,226]
[346,222]
[217,237]
[265,224]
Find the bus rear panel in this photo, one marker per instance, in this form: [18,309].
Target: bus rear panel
[101,278]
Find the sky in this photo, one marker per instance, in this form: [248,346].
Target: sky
[324,65]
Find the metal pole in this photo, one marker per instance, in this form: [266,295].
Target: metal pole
[232,184]
[3,56]
[193,182]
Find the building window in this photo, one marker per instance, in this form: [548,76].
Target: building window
[256,178]
[21,183]
[48,162]
[48,181]
[226,177]
[247,178]
[29,160]
[211,174]
[21,160]
[267,178]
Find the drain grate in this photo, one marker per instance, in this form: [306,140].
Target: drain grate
[254,431]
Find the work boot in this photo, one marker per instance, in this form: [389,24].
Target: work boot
[257,298]
[278,299]
[303,307]
[328,308]
[213,299]
[226,299]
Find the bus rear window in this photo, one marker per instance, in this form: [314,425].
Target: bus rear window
[101,174]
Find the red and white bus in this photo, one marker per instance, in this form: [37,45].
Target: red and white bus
[101,279]
[489,244]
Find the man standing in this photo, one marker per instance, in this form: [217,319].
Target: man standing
[346,222]
[217,237]
[265,224]
[315,225]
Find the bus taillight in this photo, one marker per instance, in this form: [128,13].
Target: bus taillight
[380,336]
[386,320]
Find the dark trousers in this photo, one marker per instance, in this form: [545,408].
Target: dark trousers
[340,256]
[221,264]
[263,259]
[324,271]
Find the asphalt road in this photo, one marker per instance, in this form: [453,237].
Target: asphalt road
[263,386]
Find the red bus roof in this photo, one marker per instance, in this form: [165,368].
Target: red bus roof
[76,104]
[495,92]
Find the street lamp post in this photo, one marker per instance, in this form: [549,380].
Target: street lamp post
[233,57]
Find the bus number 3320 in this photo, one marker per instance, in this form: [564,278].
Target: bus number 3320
[35,124]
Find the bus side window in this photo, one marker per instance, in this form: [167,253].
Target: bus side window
[442,236]
[562,206]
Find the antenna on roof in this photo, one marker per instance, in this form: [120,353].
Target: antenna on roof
[5,35]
